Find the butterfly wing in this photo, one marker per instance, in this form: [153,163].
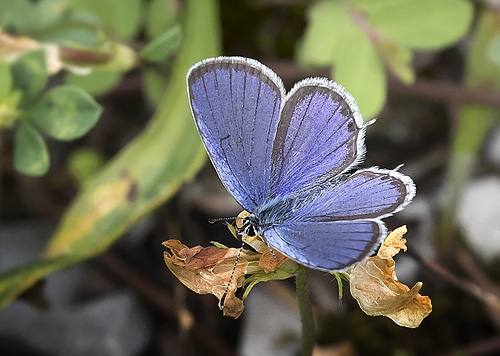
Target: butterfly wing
[342,226]
[328,246]
[319,135]
[318,217]
[371,193]
[235,103]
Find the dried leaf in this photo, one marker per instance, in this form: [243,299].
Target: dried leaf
[269,262]
[207,270]
[374,285]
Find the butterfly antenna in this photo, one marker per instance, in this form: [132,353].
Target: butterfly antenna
[212,221]
[223,299]
[271,250]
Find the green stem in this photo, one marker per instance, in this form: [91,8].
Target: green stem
[306,316]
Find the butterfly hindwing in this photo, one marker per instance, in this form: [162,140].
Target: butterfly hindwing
[370,193]
[342,225]
[235,102]
[329,246]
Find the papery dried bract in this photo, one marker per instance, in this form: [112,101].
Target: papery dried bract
[270,261]
[207,270]
[374,285]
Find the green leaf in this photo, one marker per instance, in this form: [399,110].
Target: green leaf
[9,111]
[29,73]
[481,68]
[5,80]
[65,113]
[153,166]
[122,16]
[84,162]
[421,24]
[494,50]
[15,14]
[77,27]
[97,82]
[162,46]
[359,69]
[48,13]
[154,83]
[332,38]
[398,58]
[368,6]
[161,16]
[328,21]
[30,152]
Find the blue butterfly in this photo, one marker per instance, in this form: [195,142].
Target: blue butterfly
[285,156]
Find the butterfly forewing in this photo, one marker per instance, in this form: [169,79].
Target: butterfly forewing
[235,103]
[320,134]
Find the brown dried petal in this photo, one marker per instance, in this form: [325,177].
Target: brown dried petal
[374,285]
[207,270]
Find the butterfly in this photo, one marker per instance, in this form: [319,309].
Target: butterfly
[288,159]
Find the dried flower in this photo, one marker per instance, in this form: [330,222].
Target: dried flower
[208,270]
[374,285]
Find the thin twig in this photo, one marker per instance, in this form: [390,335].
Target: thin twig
[438,90]
[471,288]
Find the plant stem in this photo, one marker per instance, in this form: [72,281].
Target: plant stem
[306,316]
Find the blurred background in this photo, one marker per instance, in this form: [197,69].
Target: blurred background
[100,162]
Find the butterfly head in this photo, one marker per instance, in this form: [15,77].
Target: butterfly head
[247,224]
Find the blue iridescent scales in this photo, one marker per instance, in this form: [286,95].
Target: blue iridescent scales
[289,158]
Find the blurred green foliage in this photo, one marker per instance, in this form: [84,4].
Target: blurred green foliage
[90,39]
[84,162]
[163,46]
[359,38]
[154,165]
[30,152]
[474,121]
